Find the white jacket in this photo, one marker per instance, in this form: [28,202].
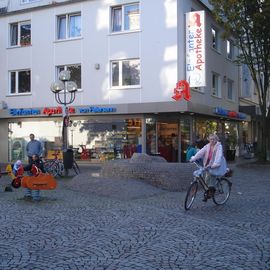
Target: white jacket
[217,163]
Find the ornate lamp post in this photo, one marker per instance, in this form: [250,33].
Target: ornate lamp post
[65,92]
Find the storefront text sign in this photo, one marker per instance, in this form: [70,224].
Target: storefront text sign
[59,111]
[97,110]
[195,48]
[232,114]
[15,112]
[182,90]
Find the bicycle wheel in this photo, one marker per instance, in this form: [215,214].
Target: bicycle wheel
[61,167]
[75,167]
[51,167]
[223,191]
[191,194]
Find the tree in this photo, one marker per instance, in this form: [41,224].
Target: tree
[248,22]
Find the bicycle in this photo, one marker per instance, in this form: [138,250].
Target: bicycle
[221,192]
[54,166]
[76,167]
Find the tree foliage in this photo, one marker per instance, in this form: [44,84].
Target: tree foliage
[248,22]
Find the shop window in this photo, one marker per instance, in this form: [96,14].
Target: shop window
[125,73]
[20,82]
[68,26]
[20,34]
[75,73]
[105,140]
[151,136]
[216,85]
[125,18]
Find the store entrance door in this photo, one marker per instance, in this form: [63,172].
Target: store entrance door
[168,140]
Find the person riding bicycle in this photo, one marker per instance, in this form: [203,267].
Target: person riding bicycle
[213,161]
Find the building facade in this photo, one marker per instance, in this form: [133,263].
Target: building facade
[127,58]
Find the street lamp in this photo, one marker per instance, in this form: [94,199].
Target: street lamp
[64,91]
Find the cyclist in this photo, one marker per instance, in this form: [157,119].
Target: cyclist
[213,161]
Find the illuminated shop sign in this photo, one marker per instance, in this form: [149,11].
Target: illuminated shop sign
[59,111]
[195,48]
[232,114]
[97,110]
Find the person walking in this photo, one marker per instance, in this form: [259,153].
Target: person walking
[33,147]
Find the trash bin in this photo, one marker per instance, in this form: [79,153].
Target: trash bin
[68,156]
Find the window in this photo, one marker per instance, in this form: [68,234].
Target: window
[215,41]
[125,73]
[20,82]
[75,73]
[215,84]
[125,18]
[230,90]
[20,34]
[229,49]
[69,26]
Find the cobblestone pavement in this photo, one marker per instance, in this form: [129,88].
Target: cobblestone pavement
[93,223]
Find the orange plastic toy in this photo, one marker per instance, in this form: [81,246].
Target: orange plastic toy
[39,182]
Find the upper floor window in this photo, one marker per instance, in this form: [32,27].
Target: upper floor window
[215,84]
[229,49]
[69,26]
[125,18]
[230,90]
[75,73]
[20,34]
[215,38]
[20,81]
[125,73]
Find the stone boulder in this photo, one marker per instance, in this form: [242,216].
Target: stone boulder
[153,170]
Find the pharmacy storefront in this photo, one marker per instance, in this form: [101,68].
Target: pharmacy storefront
[99,133]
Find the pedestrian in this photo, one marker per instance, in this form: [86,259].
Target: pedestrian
[191,151]
[35,167]
[33,148]
[213,161]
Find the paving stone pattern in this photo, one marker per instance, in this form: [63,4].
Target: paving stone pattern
[91,222]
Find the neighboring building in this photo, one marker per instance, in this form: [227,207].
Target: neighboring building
[126,58]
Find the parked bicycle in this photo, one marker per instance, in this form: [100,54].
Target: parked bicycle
[221,192]
[54,166]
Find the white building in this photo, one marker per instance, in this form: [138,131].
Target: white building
[126,58]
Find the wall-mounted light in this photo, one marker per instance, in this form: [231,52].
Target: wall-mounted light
[225,79]
[97,66]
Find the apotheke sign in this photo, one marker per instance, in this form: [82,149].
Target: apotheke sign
[195,48]
[59,111]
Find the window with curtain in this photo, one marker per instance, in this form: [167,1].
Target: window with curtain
[20,34]
[125,18]
[75,73]
[125,73]
[20,81]
[69,26]
[215,40]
